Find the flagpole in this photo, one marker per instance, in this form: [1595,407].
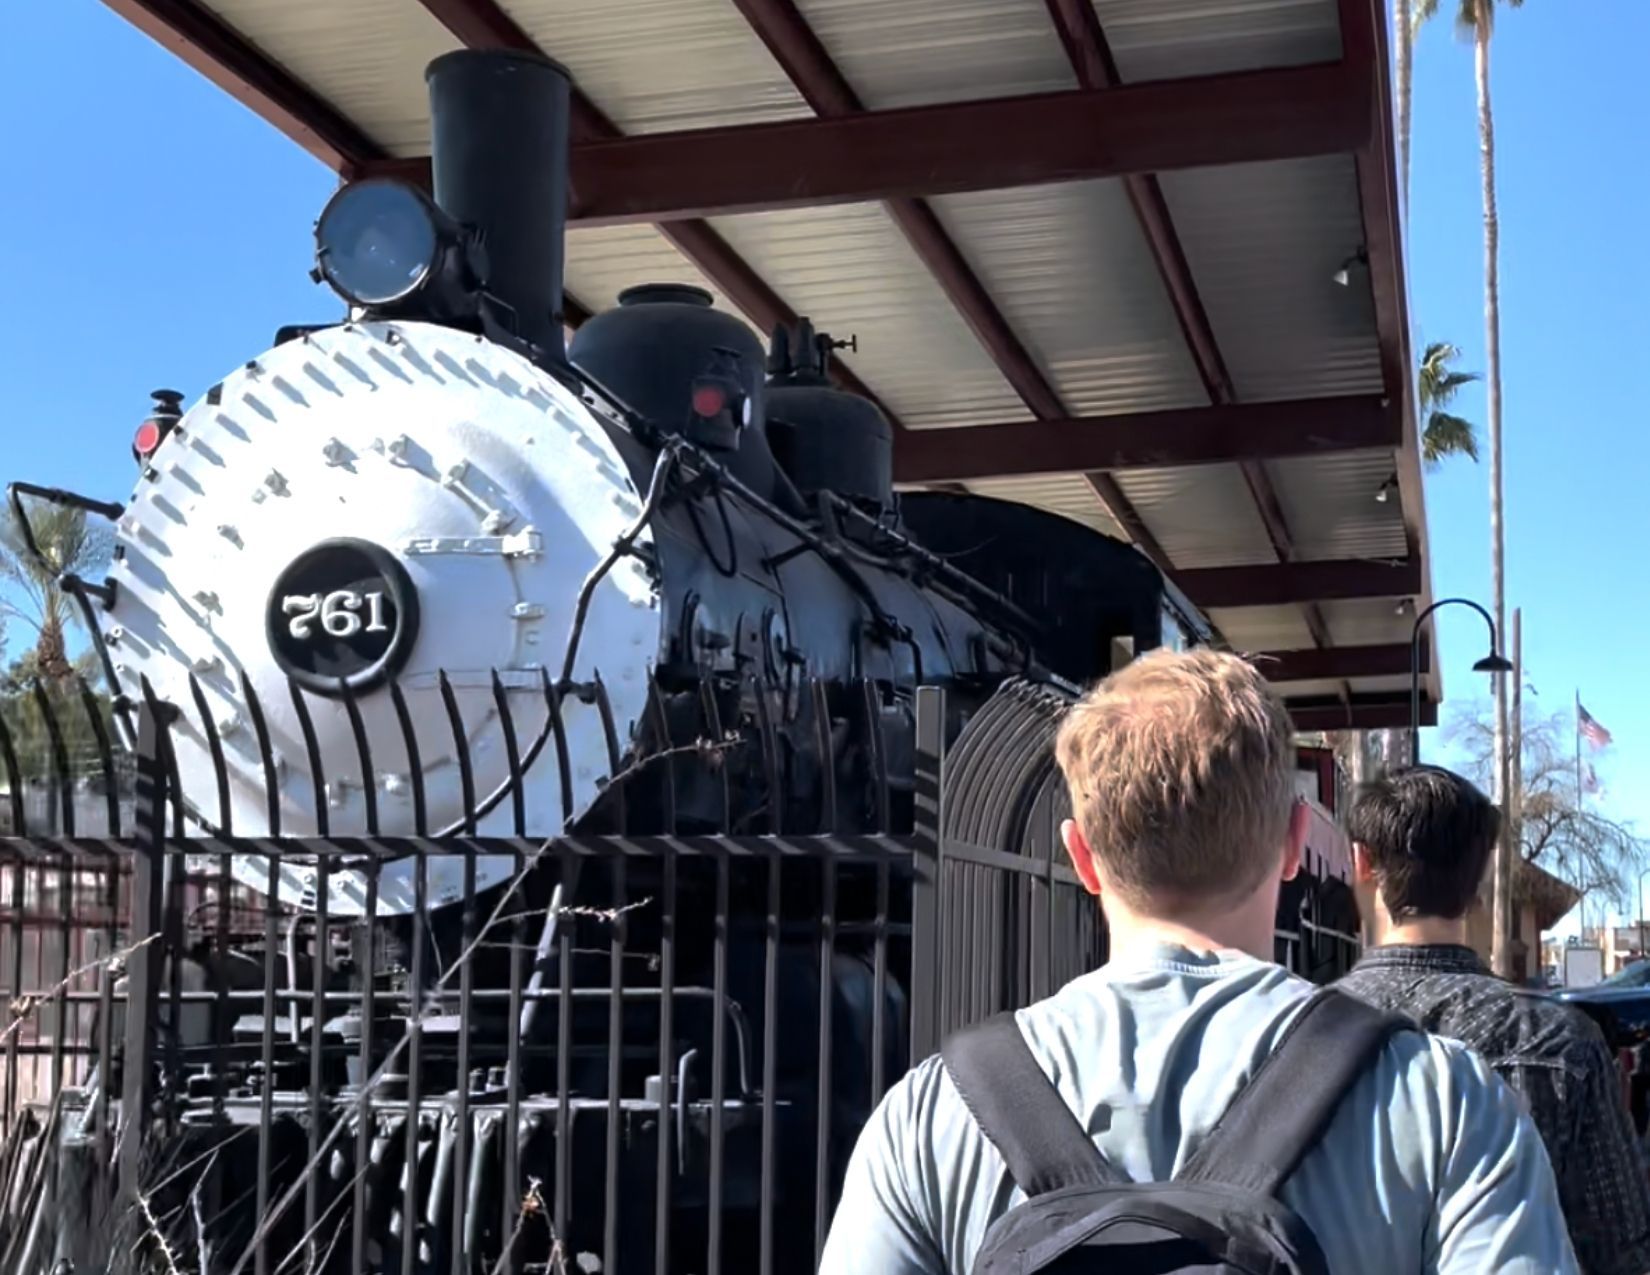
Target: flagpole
[1581,791]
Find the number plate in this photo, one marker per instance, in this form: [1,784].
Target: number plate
[343,613]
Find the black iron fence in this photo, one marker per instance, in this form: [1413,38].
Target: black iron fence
[636,1053]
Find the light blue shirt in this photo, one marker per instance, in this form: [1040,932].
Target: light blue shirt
[1429,1165]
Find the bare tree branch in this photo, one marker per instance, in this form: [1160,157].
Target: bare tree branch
[1562,830]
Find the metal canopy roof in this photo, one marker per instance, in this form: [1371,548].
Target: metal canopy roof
[1088,249]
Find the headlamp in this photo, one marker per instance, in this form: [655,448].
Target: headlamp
[378,241]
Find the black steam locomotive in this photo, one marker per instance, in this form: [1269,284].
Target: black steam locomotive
[576,711]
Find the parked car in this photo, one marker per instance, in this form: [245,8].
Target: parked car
[1620,1003]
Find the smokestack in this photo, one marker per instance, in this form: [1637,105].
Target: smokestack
[499,160]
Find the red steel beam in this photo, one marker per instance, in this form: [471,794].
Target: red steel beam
[964,146]
[1183,436]
[1245,117]
[1315,665]
[1364,43]
[1359,712]
[1292,583]
[482,24]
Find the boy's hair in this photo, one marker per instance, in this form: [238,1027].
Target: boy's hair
[1182,776]
[1428,833]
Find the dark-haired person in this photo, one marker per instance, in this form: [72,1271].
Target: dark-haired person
[1421,839]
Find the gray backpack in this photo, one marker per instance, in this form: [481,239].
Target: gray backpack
[1220,1214]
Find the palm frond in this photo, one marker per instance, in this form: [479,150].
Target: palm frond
[1448,435]
[1450,383]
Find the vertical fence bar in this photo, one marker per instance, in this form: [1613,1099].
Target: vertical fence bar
[511,1203]
[615,1074]
[564,1044]
[266,1090]
[667,1031]
[13,1060]
[718,1064]
[927,971]
[411,1214]
[143,964]
[879,1011]
[822,1114]
[63,793]
[462,1260]
[106,1014]
[65,930]
[14,781]
[512,1195]
[369,1010]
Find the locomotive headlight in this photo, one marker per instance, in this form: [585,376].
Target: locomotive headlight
[377,242]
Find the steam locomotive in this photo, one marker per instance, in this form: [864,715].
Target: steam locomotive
[433,573]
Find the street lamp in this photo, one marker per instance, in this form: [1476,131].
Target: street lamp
[1494,662]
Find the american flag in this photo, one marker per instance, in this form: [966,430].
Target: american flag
[1590,784]
[1596,734]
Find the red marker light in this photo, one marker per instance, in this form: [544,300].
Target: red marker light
[147,438]
[709,400]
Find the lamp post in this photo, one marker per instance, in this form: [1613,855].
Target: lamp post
[1494,662]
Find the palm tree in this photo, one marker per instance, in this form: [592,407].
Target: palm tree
[32,598]
[1403,63]
[1443,433]
[67,544]
[1477,17]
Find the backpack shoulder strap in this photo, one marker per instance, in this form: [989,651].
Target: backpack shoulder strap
[1287,1104]
[1018,1108]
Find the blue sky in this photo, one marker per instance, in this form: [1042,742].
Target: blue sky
[1570,100]
[157,233]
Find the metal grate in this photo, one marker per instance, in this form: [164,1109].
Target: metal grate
[645,1051]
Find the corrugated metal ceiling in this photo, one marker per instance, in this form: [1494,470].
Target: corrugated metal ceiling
[851,270]
[658,65]
[366,58]
[601,263]
[917,51]
[1070,496]
[1255,629]
[1264,242]
[1330,503]
[1111,344]
[1170,39]
[1203,516]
